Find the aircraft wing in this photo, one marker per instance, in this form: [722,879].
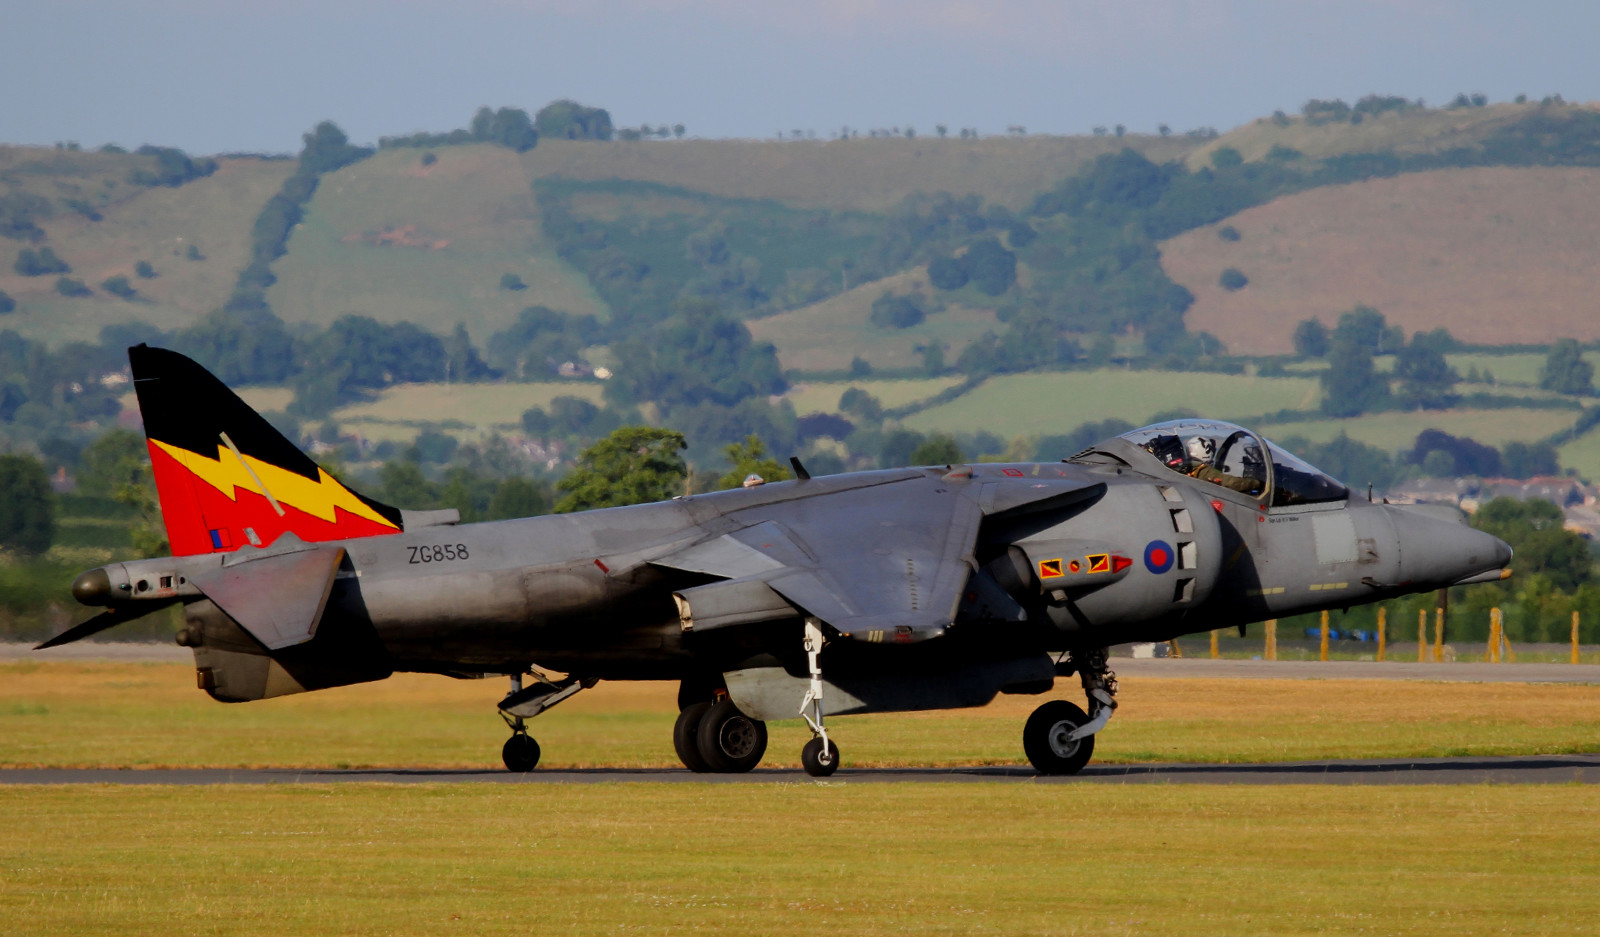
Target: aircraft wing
[886,563]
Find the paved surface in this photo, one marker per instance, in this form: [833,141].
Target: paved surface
[1530,769]
[1124,666]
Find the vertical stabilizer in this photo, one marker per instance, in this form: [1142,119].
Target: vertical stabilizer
[225,477]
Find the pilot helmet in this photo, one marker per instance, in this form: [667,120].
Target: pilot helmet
[1167,448]
[1202,449]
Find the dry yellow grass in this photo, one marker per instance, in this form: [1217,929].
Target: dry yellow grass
[1497,256]
[780,859]
[150,715]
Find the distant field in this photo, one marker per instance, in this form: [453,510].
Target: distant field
[859,174]
[1583,455]
[398,241]
[1395,431]
[1412,131]
[148,715]
[1498,256]
[828,335]
[155,224]
[482,405]
[823,396]
[1034,404]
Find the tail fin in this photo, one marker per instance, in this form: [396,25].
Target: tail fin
[225,477]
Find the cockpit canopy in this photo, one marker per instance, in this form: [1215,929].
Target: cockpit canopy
[1235,458]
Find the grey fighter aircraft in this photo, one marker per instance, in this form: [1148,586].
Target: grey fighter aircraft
[903,589]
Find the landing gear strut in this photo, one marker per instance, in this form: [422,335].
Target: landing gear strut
[820,757]
[521,751]
[1059,737]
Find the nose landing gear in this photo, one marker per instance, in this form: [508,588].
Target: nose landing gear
[820,757]
[1059,737]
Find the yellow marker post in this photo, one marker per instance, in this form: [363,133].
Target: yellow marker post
[1272,640]
[1383,630]
[1324,635]
[1438,635]
[1493,654]
[1422,635]
[1574,637]
[1214,652]
[1176,650]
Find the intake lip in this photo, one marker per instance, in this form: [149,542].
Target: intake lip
[92,587]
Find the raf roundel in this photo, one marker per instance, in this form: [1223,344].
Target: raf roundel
[1158,556]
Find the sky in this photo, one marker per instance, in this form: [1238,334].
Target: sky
[215,76]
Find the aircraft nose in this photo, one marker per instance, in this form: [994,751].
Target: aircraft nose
[1438,552]
[92,587]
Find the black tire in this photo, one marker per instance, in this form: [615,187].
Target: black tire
[1044,738]
[520,753]
[811,758]
[685,735]
[729,741]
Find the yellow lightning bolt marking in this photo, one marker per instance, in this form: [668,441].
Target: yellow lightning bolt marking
[318,498]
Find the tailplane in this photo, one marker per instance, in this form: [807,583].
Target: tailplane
[226,478]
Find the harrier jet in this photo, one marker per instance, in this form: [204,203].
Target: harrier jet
[932,587]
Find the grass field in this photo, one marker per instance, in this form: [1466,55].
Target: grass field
[155,224]
[487,407]
[856,175]
[823,396]
[1496,255]
[802,858]
[1033,404]
[397,241]
[828,335]
[1395,431]
[150,715]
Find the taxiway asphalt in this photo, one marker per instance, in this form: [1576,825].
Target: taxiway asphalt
[1519,769]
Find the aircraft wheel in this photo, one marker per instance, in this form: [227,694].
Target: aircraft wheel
[1045,740]
[729,741]
[685,737]
[520,753]
[812,759]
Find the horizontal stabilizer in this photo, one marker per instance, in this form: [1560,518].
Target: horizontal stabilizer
[109,618]
[278,599]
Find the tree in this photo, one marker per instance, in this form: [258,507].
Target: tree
[70,286]
[327,149]
[1352,386]
[750,458]
[1233,279]
[633,465]
[27,505]
[1426,378]
[947,273]
[513,282]
[1365,326]
[517,497]
[1564,370]
[7,304]
[144,271]
[991,267]
[1542,545]
[569,120]
[895,312]
[508,127]
[699,355]
[119,286]
[938,449]
[1311,339]
[38,263]
[1526,460]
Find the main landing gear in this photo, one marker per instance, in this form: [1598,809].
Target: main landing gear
[716,738]
[1059,737]
[521,751]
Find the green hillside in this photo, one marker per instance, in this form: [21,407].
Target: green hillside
[398,241]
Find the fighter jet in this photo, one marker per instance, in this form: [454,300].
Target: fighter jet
[923,588]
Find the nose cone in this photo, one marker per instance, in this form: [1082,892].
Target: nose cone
[1435,552]
[92,587]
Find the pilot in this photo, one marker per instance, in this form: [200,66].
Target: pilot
[1202,451]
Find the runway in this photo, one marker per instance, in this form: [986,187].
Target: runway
[1520,769]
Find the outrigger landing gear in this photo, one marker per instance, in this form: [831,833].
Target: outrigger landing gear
[1059,737]
[820,757]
